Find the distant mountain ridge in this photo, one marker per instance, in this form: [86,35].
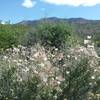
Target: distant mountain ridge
[81,25]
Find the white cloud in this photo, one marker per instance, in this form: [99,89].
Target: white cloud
[28,3]
[73,2]
[3,22]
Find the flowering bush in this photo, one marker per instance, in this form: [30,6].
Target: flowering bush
[50,68]
[37,73]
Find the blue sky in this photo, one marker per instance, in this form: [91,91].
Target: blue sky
[18,10]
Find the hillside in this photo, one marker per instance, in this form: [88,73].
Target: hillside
[82,26]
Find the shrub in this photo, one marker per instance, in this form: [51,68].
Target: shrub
[52,34]
[11,35]
[77,78]
[7,38]
[96,39]
[13,88]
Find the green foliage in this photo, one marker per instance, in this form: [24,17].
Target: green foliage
[52,34]
[30,38]
[7,38]
[47,33]
[76,83]
[74,87]
[11,35]
[13,89]
[96,39]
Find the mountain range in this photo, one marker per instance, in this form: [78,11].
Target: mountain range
[80,25]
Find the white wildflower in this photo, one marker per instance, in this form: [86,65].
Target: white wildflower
[57,78]
[95,70]
[64,65]
[52,79]
[53,55]
[25,60]
[44,79]
[90,83]
[45,58]
[5,57]
[90,46]
[58,82]
[92,77]
[55,96]
[76,58]
[67,72]
[26,69]
[20,60]
[56,49]
[82,49]
[86,41]
[15,61]
[16,50]
[35,71]
[60,78]
[88,37]
[68,56]
[36,55]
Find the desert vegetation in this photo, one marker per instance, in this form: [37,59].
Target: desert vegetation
[48,62]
